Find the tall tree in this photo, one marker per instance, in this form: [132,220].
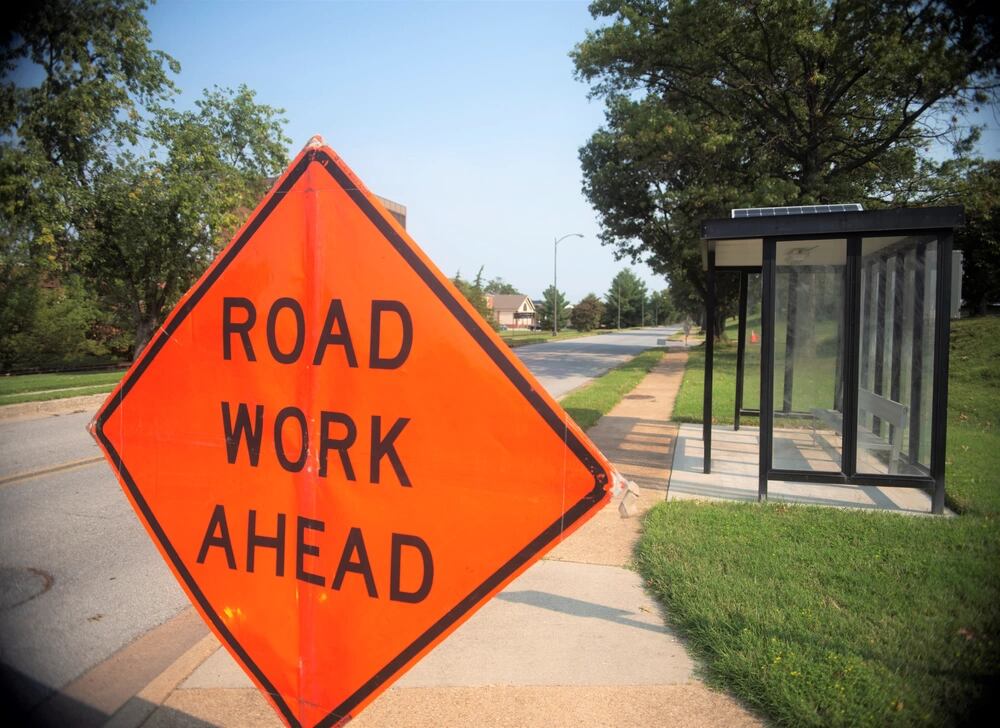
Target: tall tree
[500,286]
[660,308]
[587,314]
[979,238]
[76,75]
[154,224]
[544,310]
[721,103]
[624,300]
[474,294]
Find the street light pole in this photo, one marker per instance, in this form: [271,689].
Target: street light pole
[555,280]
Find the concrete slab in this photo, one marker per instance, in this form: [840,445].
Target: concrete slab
[734,473]
[558,623]
[681,706]
[561,624]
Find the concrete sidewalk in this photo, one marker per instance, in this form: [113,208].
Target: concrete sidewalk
[575,640]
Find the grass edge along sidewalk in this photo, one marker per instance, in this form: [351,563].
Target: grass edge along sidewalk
[591,402]
[819,616]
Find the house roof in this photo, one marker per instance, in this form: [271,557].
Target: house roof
[510,302]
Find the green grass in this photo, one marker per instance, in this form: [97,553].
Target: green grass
[41,387]
[833,618]
[972,466]
[818,616]
[588,404]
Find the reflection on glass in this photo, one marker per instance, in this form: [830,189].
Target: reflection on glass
[808,401]
[751,357]
[896,359]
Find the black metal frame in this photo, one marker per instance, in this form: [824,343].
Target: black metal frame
[852,227]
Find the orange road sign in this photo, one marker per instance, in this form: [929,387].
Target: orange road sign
[338,459]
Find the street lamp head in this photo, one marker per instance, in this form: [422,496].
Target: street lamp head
[569,235]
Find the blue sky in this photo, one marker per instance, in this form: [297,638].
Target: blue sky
[466,112]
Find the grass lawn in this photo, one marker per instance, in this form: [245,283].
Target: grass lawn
[819,616]
[588,404]
[39,387]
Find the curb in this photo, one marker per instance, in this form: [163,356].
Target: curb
[65,406]
[139,708]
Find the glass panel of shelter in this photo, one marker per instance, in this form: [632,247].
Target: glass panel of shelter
[750,403]
[810,289]
[896,356]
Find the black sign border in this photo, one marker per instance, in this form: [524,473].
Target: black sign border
[499,357]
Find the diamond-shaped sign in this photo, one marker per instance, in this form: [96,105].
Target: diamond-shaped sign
[337,458]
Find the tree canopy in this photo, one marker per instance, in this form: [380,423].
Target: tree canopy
[501,287]
[544,309]
[109,196]
[625,297]
[718,104]
[979,238]
[476,295]
[587,314]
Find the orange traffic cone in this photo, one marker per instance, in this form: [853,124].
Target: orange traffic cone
[753,337]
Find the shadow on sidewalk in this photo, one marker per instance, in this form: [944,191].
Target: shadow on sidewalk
[575,607]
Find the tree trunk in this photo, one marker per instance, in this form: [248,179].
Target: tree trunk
[143,333]
[719,327]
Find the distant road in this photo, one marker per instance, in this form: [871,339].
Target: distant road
[562,366]
[79,577]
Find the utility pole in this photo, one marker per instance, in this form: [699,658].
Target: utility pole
[619,297]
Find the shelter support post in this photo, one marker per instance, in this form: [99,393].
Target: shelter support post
[942,340]
[851,344]
[766,436]
[741,347]
[706,431]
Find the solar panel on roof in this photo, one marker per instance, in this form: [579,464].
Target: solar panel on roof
[799,210]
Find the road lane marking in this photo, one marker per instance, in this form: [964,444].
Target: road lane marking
[71,465]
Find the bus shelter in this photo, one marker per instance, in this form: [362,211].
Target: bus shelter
[842,341]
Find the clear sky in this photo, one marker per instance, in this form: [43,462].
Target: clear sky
[466,112]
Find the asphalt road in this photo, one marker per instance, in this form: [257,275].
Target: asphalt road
[79,577]
[562,366]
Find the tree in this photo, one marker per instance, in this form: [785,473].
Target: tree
[96,73]
[474,293]
[61,329]
[154,224]
[979,238]
[587,313]
[625,296]
[720,104]
[660,308]
[500,287]
[544,310]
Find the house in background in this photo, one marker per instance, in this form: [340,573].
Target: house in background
[513,311]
